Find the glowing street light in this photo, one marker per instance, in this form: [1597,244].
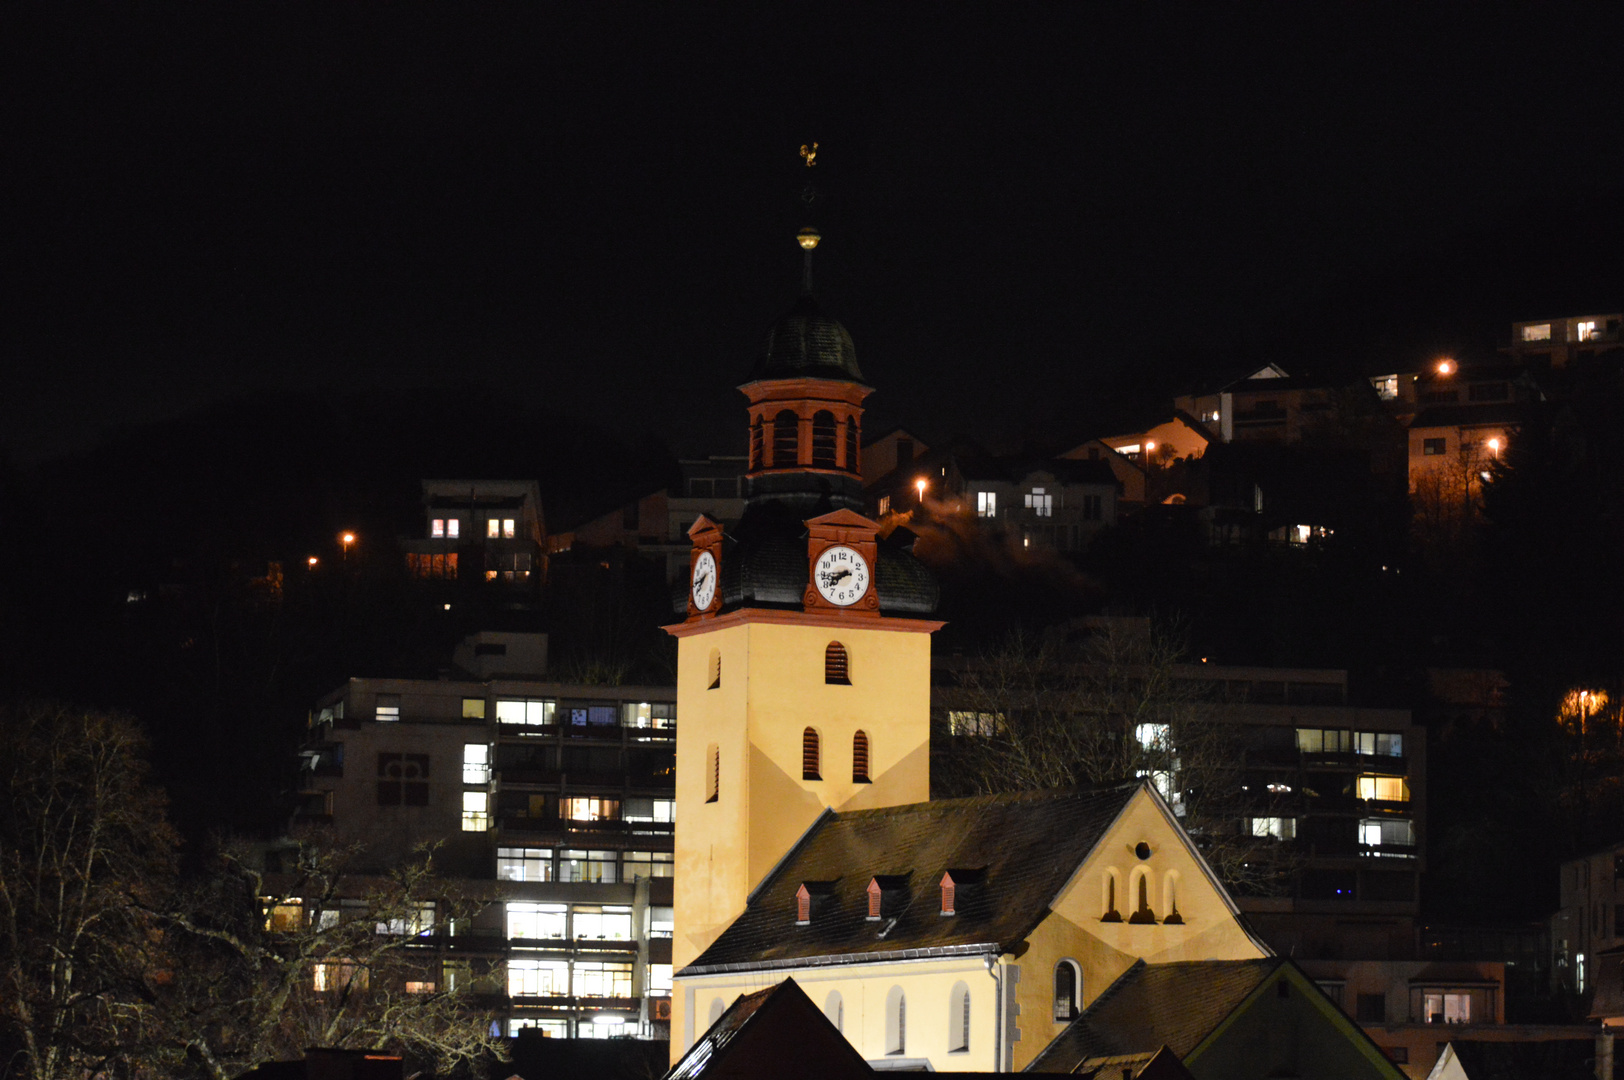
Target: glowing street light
[347,539]
[312,561]
[920,484]
[1446,366]
[1494,445]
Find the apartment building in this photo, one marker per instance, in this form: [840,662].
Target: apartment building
[553,802]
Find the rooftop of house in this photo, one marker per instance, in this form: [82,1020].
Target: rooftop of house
[1555,1059]
[1011,853]
[1502,412]
[773,1032]
[1156,1005]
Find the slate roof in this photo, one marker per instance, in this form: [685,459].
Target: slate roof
[1155,1005]
[1556,1059]
[805,343]
[1028,844]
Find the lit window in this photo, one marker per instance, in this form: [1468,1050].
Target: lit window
[526,713]
[1130,450]
[476,763]
[1153,736]
[645,809]
[589,808]
[476,811]
[603,980]
[987,504]
[453,527]
[536,921]
[885,505]
[473,708]
[1376,835]
[524,864]
[493,528]
[288,915]
[507,528]
[413,987]
[662,922]
[605,923]
[974,723]
[1384,788]
[1587,330]
[538,978]
[1386,386]
[1279,828]
[647,864]
[1447,1008]
[1540,332]
[419,922]
[338,975]
[1040,502]
[437,528]
[388,707]
[598,867]
[1377,743]
[659,980]
[649,714]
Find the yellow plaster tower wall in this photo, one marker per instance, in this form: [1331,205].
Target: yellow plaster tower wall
[772,689]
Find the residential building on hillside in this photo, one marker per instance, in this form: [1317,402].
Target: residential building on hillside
[1554,344]
[1269,405]
[1587,932]
[480,531]
[553,802]
[889,452]
[1055,503]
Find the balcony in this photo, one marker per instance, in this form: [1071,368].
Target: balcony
[1388,851]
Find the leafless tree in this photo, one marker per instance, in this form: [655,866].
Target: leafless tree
[1045,712]
[271,963]
[85,855]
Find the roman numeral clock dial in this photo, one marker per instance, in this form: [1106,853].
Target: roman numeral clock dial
[840,575]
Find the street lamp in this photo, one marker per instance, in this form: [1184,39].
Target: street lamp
[346,539]
[920,484]
[312,561]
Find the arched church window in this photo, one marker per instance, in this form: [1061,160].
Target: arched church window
[823,439]
[786,440]
[1068,990]
[836,665]
[859,758]
[896,1022]
[958,1019]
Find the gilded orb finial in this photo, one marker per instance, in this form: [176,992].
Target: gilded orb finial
[808,238]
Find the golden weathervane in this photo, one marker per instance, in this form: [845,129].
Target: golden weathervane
[811,154]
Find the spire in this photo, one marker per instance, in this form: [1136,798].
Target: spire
[809,236]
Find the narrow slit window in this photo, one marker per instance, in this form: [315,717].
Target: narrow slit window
[786,440]
[715,669]
[836,665]
[810,763]
[713,773]
[851,444]
[859,758]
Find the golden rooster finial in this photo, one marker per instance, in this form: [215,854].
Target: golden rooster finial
[811,154]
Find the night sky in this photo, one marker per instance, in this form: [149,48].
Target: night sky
[593,204]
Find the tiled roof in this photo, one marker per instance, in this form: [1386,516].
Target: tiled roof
[1028,844]
[775,1032]
[1155,1005]
[805,343]
[1508,412]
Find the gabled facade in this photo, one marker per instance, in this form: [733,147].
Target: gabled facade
[965,934]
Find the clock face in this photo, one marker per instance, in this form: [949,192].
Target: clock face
[704,584]
[841,575]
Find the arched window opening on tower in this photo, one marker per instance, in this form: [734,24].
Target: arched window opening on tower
[823,440]
[1143,913]
[811,765]
[786,440]
[1068,990]
[851,444]
[859,758]
[896,1022]
[836,665]
[755,445]
[958,1019]
[713,773]
[715,669]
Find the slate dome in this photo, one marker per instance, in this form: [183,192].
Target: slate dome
[805,343]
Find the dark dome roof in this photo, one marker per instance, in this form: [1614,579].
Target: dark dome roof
[807,344]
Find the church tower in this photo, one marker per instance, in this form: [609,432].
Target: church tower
[803,665]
